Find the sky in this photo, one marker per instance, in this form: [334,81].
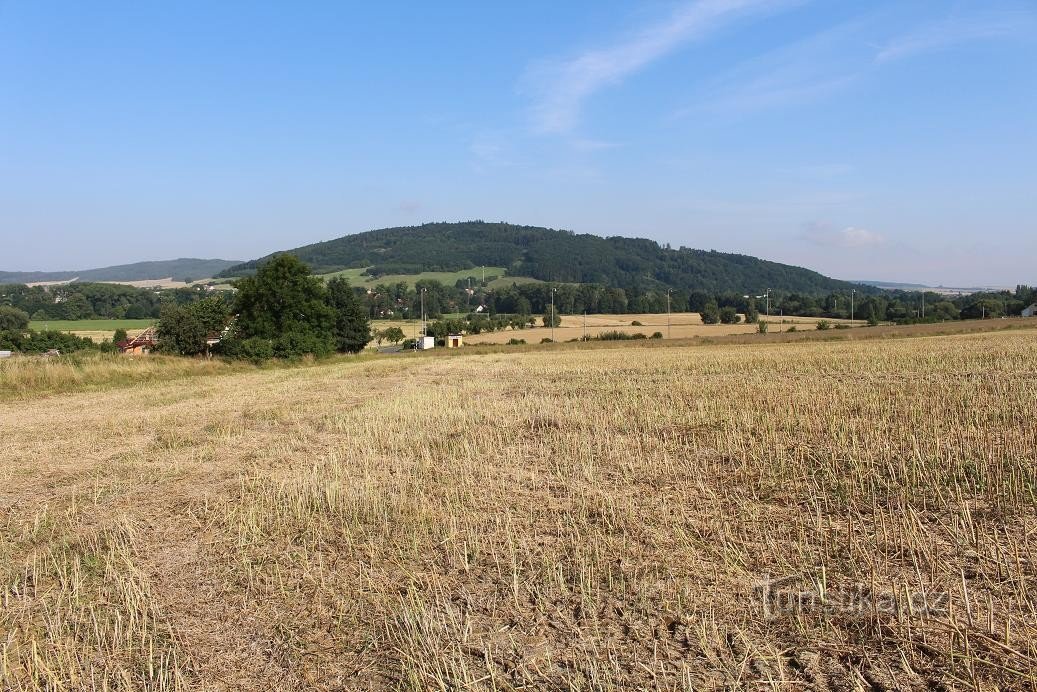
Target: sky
[881,140]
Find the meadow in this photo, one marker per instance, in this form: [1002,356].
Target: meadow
[806,515]
[98,330]
[359,277]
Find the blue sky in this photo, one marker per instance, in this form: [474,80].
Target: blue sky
[882,140]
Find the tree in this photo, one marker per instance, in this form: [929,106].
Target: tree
[728,315]
[184,329]
[119,336]
[552,318]
[393,335]
[287,306]
[13,319]
[181,331]
[752,314]
[710,313]
[352,329]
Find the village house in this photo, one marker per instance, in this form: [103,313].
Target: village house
[140,345]
[454,341]
[1030,311]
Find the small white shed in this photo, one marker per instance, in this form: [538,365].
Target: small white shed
[426,342]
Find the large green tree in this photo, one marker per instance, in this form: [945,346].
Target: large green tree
[13,319]
[183,329]
[352,329]
[286,306]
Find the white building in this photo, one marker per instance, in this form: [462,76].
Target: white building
[425,342]
[1030,311]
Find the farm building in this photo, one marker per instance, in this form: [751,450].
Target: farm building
[1030,311]
[425,342]
[140,345]
[454,341]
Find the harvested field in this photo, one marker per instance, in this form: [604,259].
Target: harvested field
[546,519]
[682,325]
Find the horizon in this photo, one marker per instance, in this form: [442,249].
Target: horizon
[891,142]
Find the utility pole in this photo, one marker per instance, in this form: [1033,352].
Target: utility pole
[768,302]
[584,325]
[424,329]
[553,313]
[668,329]
[853,292]
[923,305]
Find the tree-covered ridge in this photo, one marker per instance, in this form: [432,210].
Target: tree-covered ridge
[553,255]
[182,269]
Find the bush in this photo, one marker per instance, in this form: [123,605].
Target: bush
[516,342]
[547,340]
[761,327]
[823,325]
[842,326]
[728,315]
[253,349]
[657,335]
[792,328]
[41,342]
[635,323]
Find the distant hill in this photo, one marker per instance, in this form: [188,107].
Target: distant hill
[178,269]
[552,255]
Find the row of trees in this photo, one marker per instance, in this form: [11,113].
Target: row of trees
[402,301]
[282,311]
[83,301]
[15,335]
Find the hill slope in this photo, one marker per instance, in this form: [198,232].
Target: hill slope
[178,269]
[553,255]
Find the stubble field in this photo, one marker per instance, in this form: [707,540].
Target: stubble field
[852,515]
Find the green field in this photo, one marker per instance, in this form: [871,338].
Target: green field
[357,277]
[90,325]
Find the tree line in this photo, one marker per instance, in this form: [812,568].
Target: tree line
[85,301]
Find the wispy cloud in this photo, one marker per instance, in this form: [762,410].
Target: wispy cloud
[561,87]
[800,72]
[818,66]
[954,31]
[849,237]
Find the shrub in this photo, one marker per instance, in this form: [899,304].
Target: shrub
[792,328]
[822,325]
[842,326]
[761,327]
[547,340]
[516,342]
[728,315]
[657,335]
[635,323]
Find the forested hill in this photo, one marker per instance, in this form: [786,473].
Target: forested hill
[178,270]
[552,255]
